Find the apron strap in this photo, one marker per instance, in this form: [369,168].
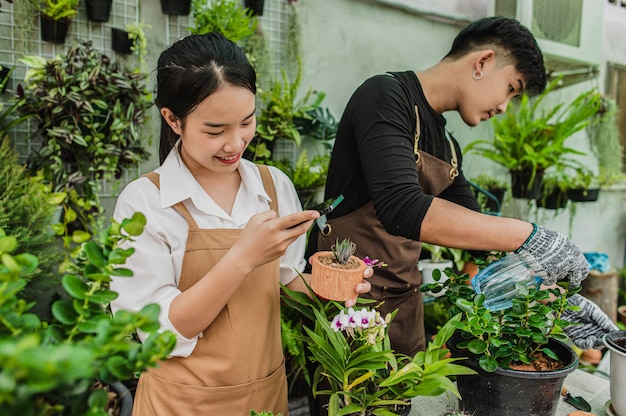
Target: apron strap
[180,207]
[268,184]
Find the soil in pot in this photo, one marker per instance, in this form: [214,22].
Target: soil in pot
[508,392]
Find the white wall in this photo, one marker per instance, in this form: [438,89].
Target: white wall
[346,41]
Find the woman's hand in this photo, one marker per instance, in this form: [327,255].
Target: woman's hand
[267,236]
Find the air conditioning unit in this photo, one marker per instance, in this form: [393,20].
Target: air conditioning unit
[569,32]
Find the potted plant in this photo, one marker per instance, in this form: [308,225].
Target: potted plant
[553,191]
[89,114]
[582,187]
[309,177]
[616,343]
[98,10]
[55,18]
[223,16]
[604,139]
[489,192]
[176,7]
[5,75]
[355,366]
[131,40]
[437,261]
[529,139]
[517,351]
[255,6]
[335,273]
[62,366]
[280,112]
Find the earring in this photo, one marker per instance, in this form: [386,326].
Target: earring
[477,76]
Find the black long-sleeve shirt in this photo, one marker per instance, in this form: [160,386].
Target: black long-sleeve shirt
[373,157]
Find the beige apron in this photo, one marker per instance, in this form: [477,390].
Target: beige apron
[237,364]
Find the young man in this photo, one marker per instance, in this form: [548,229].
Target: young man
[390,206]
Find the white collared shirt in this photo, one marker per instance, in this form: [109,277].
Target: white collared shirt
[159,250]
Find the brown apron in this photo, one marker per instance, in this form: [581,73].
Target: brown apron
[398,283]
[237,364]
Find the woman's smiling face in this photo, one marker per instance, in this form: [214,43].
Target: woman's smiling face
[218,131]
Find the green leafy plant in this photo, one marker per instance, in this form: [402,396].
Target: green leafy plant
[440,254]
[512,335]
[58,9]
[604,138]
[343,250]
[56,367]
[308,176]
[89,114]
[137,34]
[531,137]
[280,110]
[227,17]
[365,376]
[27,208]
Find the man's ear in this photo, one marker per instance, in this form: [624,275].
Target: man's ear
[171,120]
[485,57]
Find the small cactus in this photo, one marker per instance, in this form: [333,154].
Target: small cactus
[343,250]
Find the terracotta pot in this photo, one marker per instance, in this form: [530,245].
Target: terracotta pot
[334,283]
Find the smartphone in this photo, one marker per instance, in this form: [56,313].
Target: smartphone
[329,205]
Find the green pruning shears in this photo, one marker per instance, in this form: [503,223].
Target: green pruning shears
[326,207]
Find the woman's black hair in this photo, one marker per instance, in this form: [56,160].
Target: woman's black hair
[507,36]
[190,70]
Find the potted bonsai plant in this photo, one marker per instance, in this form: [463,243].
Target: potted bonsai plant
[335,273]
[62,366]
[528,139]
[55,18]
[517,351]
[351,352]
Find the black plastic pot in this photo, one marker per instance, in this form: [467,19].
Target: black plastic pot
[120,42]
[4,77]
[53,31]
[557,199]
[176,7]
[520,180]
[124,398]
[583,195]
[98,10]
[510,392]
[256,6]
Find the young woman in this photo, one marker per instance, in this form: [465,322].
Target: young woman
[221,233]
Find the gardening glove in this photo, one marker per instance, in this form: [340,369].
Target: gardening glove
[554,257]
[592,322]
